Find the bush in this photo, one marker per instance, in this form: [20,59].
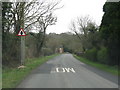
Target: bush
[102,55]
[46,51]
[91,54]
[79,53]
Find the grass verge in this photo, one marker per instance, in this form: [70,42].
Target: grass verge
[11,77]
[111,69]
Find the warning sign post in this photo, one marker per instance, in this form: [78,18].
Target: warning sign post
[21,32]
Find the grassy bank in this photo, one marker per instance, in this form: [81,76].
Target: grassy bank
[12,76]
[110,69]
[0,78]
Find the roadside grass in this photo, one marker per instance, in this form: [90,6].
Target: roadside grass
[111,69]
[0,78]
[11,77]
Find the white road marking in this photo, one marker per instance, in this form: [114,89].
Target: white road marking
[63,70]
[57,70]
[70,69]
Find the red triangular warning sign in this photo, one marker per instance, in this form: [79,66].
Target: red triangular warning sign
[21,32]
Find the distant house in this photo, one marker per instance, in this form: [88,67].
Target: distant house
[59,50]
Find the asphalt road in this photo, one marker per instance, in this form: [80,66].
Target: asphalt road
[65,71]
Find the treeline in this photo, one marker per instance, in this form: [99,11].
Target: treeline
[100,44]
[34,17]
[68,41]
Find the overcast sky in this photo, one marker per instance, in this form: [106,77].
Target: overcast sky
[76,8]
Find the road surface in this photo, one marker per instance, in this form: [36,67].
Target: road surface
[64,71]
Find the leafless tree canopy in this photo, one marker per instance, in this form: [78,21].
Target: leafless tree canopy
[79,25]
[30,13]
[40,11]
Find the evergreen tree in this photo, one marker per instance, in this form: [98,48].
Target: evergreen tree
[110,30]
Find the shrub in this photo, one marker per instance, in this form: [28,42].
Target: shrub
[102,55]
[79,53]
[91,54]
[46,51]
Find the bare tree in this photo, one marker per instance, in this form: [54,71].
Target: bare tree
[41,19]
[81,27]
[38,11]
[41,27]
[33,12]
[82,24]
[73,28]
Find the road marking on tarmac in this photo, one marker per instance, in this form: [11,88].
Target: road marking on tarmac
[63,70]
